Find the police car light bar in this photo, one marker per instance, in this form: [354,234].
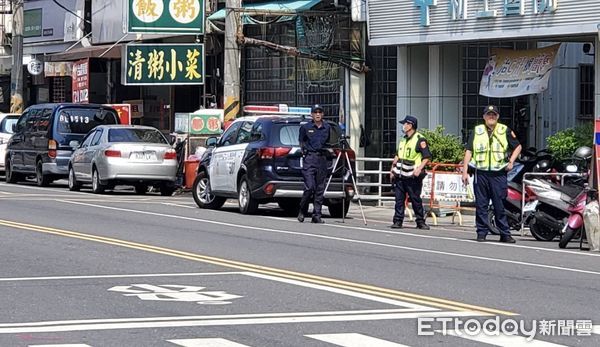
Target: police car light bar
[282,109]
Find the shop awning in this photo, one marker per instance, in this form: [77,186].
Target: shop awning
[277,7]
[87,52]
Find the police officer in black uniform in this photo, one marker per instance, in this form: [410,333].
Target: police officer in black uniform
[408,171]
[314,137]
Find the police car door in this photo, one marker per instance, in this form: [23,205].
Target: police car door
[219,167]
[238,151]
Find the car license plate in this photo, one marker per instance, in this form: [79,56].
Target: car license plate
[530,206]
[144,156]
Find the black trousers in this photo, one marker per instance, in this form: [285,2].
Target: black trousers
[315,175]
[413,187]
[490,185]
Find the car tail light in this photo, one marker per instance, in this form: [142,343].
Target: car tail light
[351,153]
[52,146]
[112,153]
[171,154]
[269,189]
[273,152]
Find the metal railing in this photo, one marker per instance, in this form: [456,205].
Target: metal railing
[380,172]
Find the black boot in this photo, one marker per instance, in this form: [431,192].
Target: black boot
[300,216]
[317,219]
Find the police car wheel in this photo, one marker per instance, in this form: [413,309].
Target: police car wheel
[247,204]
[337,209]
[202,194]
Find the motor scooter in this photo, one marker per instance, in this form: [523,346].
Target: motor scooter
[575,228]
[529,161]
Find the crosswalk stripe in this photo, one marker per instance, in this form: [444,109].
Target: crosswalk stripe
[353,340]
[501,340]
[206,342]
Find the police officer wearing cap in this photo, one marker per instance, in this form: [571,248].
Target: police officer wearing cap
[314,137]
[408,171]
[492,150]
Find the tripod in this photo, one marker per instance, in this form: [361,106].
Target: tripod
[344,153]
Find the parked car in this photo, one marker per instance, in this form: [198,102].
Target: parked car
[7,120]
[40,145]
[111,155]
[258,160]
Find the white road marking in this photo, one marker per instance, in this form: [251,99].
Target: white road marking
[596,329]
[119,276]
[215,342]
[501,340]
[62,345]
[320,236]
[178,205]
[409,305]
[222,320]
[353,340]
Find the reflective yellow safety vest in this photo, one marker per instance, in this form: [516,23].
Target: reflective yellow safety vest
[408,157]
[490,153]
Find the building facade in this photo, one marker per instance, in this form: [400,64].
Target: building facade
[441,49]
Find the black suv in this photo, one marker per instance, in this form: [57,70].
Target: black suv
[258,160]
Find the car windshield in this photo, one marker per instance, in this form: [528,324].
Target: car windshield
[136,135]
[82,120]
[7,124]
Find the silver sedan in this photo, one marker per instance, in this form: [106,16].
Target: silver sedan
[111,155]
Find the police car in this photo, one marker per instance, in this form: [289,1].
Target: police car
[258,160]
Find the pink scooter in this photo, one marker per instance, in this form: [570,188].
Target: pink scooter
[575,227]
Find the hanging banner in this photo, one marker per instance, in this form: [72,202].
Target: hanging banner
[81,81]
[511,73]
[58,69]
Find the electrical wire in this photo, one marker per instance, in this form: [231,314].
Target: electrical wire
[71,12]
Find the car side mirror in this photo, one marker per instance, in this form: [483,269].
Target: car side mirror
[74,144]
[14,127]
[211,142]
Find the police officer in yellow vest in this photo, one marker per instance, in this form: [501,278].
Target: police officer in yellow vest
[408,171]
[492,150]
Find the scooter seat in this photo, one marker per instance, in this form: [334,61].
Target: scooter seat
[570,190]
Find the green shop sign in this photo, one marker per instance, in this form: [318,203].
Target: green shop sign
[201,122]
[32,23]
[156,64]
[165,16]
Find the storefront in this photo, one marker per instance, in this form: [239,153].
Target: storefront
[442,49]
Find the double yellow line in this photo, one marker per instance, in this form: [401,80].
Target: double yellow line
[331,282]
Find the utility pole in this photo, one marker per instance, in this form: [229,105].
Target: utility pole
[232,59]
[16,75]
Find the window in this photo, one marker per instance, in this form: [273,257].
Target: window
[256,134]
[229,136]
[7,124]
[586,91]
[87,140]
[96,138]
[82,120]
[22,121]
[44,120]
[244,133]
[288,135]
[136,135]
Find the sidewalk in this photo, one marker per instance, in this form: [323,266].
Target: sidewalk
[386,214]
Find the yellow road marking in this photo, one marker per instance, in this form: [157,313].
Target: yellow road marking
[357,287]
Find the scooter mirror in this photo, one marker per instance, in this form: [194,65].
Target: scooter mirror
[571,168]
